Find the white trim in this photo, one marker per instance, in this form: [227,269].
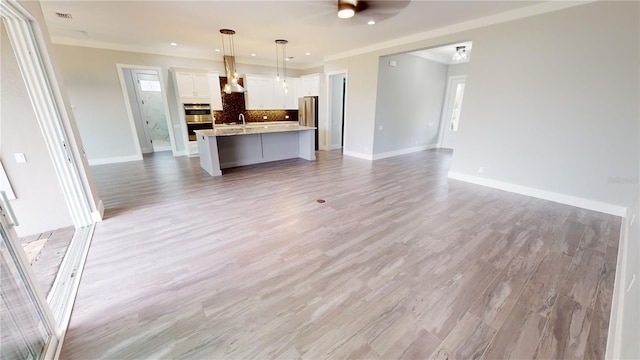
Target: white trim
[614,338]
[98,215]
[127,104]
[546,7]
[22,263]
[410,150]
[114,160]
[159,148]
[65,313]
[65,287]
[357,155]
[328,88]
[445,115]
[542,194]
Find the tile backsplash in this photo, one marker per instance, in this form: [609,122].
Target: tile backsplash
[233,105]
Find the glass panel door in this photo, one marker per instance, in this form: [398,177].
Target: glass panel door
[27,328]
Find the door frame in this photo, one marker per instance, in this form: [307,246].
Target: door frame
[125,96]
[447,107]
[329,93]
[65,149]
[137,106]
[7,222]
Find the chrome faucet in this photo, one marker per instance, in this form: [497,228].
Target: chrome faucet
[244,123]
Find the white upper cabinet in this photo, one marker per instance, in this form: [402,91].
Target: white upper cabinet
[265,93]
[216,93]
[201,85]
[198,86]
[309,85]
[259,95]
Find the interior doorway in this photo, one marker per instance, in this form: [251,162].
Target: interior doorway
[146,103]
[451,111]
[337,88]
[63,148]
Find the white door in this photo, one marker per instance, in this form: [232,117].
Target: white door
[337,87]
[451,112]
[26,321]
[150,102]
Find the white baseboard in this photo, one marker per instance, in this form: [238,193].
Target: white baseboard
[335,147]
[357,155]
[617,301]
[98,215]
[542,194]
[113,160]
[410,150]
[157,148]
[623,321]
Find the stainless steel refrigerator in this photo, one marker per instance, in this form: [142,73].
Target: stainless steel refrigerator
[308,113]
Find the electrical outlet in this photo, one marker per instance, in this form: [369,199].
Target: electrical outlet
[480,170]
[380,127]
[20,158]
[430,124]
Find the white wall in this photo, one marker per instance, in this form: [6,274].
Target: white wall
[40,204]
[409,104]
[457,69]
[628,292]
[91,79]
[362,78]
[551,103]
[542,117]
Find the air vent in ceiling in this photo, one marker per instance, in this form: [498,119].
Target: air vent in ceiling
[64,15]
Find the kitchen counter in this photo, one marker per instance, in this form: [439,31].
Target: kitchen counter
[231,130]
[228,146]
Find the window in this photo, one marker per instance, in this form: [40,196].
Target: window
[457,104]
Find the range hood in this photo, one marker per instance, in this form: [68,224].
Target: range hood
[232,76]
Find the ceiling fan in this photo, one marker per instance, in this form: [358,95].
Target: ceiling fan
[371,8]
[354,12]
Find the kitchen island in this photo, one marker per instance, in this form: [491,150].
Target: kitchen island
[230,146]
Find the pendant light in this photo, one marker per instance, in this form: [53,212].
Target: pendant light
[230,63]
[282,49]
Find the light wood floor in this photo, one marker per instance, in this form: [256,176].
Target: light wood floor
[399,262]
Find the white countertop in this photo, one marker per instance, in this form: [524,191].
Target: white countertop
[231,130]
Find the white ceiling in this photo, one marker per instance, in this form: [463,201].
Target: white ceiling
[310,26]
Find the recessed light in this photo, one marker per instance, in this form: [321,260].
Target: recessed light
[289,58]
[308,53]
[253,54]
[174,44]
[216,50]
[371,22]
